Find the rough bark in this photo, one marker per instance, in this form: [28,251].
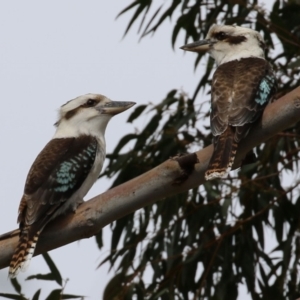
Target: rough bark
[171,177]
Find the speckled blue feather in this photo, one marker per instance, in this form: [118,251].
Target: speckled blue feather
[66,178]
[264,90]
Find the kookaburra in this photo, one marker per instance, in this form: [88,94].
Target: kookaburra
[242,85]
[65,169]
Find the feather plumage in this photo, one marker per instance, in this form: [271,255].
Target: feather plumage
[57,173]
[242,85]
[238,100]
[64,171]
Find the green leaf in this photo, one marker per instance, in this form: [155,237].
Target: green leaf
[99,239]
[53,276]
[212,237]
[151,20]
[127,8]
[136,113]
[114,287]
[12,296]
[36,296]
[55,295]
[68,296]
[117,232]
[55,272]
[145,5]
[48,277]
[168,13]
[16,285]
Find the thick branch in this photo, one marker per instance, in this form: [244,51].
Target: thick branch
[173,176]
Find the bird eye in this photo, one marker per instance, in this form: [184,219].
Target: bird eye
[221,35]
[90,102]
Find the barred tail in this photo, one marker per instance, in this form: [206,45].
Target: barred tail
[23,253]
[223,156]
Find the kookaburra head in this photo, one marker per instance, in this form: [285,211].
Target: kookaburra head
[87,114]
[65,169]
[226,43]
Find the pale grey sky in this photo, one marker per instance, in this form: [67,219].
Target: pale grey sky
[50,53]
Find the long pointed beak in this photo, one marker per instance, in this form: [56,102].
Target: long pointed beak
[116,107]
[200,46]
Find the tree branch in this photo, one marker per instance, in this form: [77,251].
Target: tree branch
[174,176]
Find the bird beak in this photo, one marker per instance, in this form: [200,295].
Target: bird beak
[200,46]
[115,107]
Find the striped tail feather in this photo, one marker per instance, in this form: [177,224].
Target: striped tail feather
[24,252]
[221,162]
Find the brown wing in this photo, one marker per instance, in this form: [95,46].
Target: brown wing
[58,171]
[240,96]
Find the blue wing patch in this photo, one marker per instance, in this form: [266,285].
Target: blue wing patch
[61,168]
[264,90]
[67,172]
[65,176]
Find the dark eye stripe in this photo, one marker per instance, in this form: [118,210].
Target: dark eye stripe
[235,40]
[220,35]
[90,103]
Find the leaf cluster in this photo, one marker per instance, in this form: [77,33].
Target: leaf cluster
[206,243]
[194,18]
[54,275]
